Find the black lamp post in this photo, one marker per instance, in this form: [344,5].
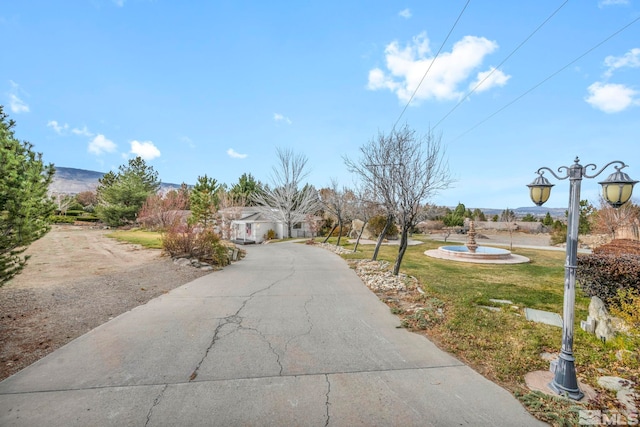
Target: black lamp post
[616,190]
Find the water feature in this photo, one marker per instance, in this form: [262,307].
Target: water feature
[472,252]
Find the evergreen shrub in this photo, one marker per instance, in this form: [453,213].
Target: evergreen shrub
[61,219]
[604,275]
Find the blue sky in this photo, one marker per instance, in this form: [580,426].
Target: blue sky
[215,87]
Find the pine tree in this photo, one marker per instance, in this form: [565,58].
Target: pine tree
[121,195]
[24,205]
[204,201]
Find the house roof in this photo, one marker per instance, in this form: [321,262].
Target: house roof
[253,216]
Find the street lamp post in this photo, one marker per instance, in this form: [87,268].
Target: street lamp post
[616,190]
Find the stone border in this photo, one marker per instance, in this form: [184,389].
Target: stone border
[513,259]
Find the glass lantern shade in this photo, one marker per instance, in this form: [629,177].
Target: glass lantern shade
[617,188]
[540,190]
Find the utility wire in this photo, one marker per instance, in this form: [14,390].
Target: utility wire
[547,78]
[430,65]
[501,64]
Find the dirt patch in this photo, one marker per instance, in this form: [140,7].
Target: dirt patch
[77,279]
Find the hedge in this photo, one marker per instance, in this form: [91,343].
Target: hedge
[603,275]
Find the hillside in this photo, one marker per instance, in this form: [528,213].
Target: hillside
[74,181]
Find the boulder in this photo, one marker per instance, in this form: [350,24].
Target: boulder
[599,316]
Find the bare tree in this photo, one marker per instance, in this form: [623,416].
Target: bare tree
[231,206]
[508,216]
[63,201]
[313,222]
[375,173]
[160,212]
[622,222]
[337,203]
[406,170]
[286,201]
[364,208]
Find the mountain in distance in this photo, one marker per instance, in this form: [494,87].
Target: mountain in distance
[537,211]
[74,181]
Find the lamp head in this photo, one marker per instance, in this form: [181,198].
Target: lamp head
[540,189]
[617,188]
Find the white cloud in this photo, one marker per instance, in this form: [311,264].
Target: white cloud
[604,3]
[630,59]
[145,149]
[280,118]
[489,79]
[59,129]
[405,13]
[100,145]
[16,104]
[612,98]
[62,129]
[119,3]
[235,155]
[82,132]
[407,66]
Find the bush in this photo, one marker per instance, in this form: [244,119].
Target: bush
[205,245]
[336,232]
[377,223]
[75,212]
[627,307]
[603,275]
[619,246]
[87,218]
[559,233]
[61,219]
[270,235]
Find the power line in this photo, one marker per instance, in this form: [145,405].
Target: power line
[430,65]
[502,63]
[547,78]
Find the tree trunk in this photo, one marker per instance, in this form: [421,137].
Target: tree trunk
[381,237]
[359,235]
[401,250]
[339,234]
[329,235]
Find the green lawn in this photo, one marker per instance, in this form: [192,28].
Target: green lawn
[147,239]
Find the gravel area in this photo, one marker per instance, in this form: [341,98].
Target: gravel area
[76,280]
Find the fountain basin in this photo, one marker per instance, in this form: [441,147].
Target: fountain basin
[483,254]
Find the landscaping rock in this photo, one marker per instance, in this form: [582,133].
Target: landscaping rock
[599,316]
[628,399]
[614,383]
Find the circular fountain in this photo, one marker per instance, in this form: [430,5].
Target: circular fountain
[471,252]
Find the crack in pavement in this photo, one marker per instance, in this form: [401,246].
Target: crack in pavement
[266,340]
[308,332]
[327,402]
[237,319]
[156,402]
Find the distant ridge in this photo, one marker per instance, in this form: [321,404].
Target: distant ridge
[74,181]
[537,211]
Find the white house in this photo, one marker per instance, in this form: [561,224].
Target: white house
[252,226]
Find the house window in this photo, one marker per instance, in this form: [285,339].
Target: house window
[297,226]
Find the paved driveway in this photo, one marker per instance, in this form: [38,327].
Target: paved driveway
[287,337]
